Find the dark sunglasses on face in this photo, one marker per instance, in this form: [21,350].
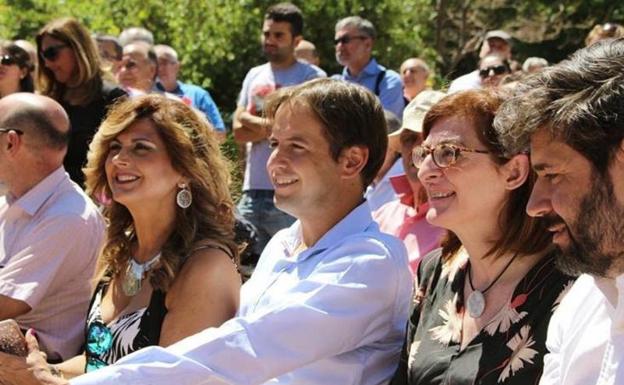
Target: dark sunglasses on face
[444,155]
[7,60]
[52,52]
[346,39]
[498,70]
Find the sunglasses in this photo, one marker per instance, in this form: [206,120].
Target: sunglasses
[498,70]
[346,39]
[7,60]
[444,155]
[52,52]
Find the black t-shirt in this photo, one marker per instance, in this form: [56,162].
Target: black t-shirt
[85,121]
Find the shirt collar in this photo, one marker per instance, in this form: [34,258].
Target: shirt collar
[357,221]
[372,68]
[177,90]
[39,194]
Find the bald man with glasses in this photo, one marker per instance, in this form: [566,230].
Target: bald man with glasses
[50,231]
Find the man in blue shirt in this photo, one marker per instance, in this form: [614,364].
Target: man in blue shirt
[168,68]
[354,41]
[328,301]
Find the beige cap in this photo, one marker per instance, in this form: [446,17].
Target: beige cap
[414,114]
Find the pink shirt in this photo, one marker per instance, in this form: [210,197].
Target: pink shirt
[50,240]
[401,219]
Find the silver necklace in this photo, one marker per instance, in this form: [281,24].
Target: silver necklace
[135,273]
[476,299]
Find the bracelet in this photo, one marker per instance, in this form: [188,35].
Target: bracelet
[56,372]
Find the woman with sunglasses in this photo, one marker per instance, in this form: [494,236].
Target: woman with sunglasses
[483,301]
[70,72]
[492,69]
[15,70]
[168,266]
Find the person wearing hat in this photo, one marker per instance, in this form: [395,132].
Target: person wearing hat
[495,42]
[405,217]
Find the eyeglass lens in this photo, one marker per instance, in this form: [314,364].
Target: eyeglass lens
[498,70]
[52,52]
[7,60]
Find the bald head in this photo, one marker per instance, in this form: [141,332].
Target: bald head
[42,120]
[34,140]
[306,51]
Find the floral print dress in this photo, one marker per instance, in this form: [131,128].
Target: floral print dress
[508,350]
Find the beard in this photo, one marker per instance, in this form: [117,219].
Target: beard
[279,55]
[596,236]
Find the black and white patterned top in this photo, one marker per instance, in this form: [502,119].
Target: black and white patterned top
[130,332]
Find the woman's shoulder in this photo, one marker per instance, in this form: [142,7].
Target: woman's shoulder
[206,268]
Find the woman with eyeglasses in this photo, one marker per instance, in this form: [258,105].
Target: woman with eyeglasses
[70,72]
[15,70]
[492,69]
[483,301]
[167,269]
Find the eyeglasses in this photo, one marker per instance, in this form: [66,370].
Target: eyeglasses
[129,65]
[444,155]
[498,70]
[346,39]
[52,52]
[99,342]
[7,60]
[19,132]
[609,29]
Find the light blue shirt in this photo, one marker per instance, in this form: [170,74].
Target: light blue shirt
[332,314]
[200,99]
[390,88]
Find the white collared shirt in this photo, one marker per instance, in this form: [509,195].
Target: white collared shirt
[332,314]
[586,335]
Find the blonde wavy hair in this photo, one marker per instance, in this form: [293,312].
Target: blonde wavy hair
[90,73]
[195,154]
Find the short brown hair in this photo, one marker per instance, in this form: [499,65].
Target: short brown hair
[350,114]
[521,233]
[578,101]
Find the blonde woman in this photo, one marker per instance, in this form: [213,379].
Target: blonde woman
[168,266]
[69,71]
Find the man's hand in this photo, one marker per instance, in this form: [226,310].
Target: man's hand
[33,370]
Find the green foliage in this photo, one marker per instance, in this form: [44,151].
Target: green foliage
[218,40]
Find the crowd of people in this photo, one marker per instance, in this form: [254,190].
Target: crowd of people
[402,235]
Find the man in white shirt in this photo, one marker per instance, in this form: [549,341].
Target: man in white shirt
[328,301]
[50,231]
[572,115]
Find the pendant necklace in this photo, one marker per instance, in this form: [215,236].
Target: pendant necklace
[135,273]
[476,299]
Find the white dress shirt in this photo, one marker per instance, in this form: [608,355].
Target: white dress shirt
[332,314]
[586,335]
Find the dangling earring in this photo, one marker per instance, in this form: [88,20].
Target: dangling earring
[184,197]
